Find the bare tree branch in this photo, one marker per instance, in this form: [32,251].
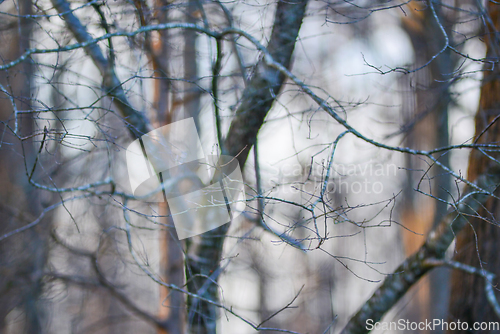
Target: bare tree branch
[414,267]
[488,278]
[137,123]
[262,89]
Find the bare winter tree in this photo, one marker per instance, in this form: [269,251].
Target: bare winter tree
[351,122]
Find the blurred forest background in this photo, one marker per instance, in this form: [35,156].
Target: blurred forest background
[366,131]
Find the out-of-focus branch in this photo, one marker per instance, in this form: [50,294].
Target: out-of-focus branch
[260,93]
[417,265]
[204,255]
[137,123]
[215,91]
[102,282]
[234,43]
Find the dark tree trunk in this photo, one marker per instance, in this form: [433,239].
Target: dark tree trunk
[205,251]
[23,255]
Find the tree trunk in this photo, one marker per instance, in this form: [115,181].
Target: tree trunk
[478,244]
[22,256]
[205,251]
[426,125]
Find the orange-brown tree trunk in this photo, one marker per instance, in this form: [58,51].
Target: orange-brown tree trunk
[479,244]
[426,127]
[172,304]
